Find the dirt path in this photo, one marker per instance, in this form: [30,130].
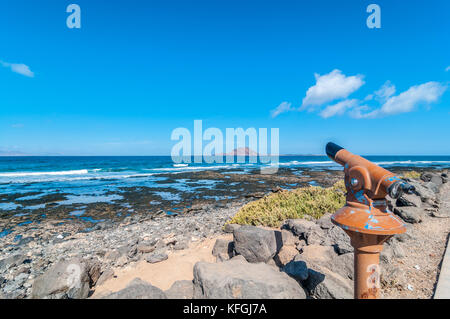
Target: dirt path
[423,253]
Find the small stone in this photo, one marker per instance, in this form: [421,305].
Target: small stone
[156,257]
[180,246]
[145,249]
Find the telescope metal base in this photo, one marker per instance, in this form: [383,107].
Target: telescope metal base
[368,220]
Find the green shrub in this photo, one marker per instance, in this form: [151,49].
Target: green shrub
[273,209]
[411,174]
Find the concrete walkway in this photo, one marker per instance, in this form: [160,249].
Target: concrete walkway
[443,286]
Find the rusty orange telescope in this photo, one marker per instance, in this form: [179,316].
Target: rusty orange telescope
[366,217]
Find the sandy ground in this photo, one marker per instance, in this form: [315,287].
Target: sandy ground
[179,266]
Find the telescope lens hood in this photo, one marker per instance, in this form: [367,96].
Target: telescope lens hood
[332,149]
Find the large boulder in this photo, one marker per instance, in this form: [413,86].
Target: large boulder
[410,215]
[426,195]
[444,177]
[66,279]
[337,238]
[288,238]
[308,230]
[323,232]
[432,186]
[329,274]
[223,249]
[255,244]
[138,289]
[315,235]
[432,177]
[300,227]
[325,284]
[409,200]
[238,279]
[181,289]
[230,228]
[325,256]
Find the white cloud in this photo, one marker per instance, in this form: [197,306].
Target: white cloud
[331,86]
[406,101]
[447,69]
[338,108]
[18,68]
[385,92]
[360,112]
[336,86]
[282,108]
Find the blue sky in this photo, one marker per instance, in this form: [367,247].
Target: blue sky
[136,70]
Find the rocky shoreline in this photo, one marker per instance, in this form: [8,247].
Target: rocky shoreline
[312,258]
[172,193]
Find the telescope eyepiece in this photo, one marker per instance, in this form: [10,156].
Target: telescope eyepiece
[398,188]
[331,149]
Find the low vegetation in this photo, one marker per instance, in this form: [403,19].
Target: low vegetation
[411,174]
[273,209]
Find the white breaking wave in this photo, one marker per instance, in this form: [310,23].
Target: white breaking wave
[292,163]
[22,174]
[180,165]
[68,178]
[191,168]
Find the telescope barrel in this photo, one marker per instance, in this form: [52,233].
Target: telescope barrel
[375,175]
[332,149]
